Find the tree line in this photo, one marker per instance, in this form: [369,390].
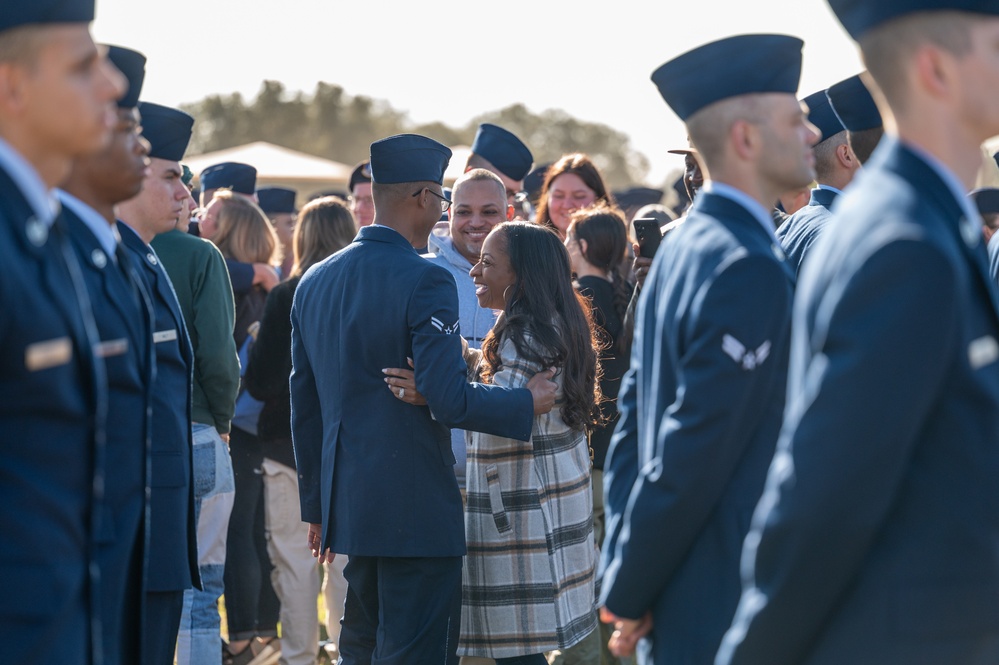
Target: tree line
[332,124]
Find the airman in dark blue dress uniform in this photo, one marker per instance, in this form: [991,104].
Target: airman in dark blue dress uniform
[53,391]
[376,477]
[877,537]
[121,310]
[172,559]
[835,165]
[701,405]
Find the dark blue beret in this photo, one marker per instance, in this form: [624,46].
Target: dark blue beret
[853,104]
[361,174]
[408,158]
[740,65]
[19,13]
[986,199]
[133,65]
[240,178]
[276,199]
[167,130]
[503,150]
[821,114]
[860,16]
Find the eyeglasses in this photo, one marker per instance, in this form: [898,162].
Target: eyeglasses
[445,204]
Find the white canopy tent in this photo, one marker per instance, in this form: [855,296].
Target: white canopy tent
[277,165]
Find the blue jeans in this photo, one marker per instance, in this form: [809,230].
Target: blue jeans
[199,642]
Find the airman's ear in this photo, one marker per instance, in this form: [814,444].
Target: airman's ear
[11,89]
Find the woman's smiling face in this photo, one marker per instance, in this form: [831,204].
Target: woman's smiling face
[493,274]
[567,194]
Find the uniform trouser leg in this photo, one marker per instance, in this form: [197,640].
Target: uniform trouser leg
[161,621]
[121,588]
[334,596]
[401,611]
[198,642]
[296,573]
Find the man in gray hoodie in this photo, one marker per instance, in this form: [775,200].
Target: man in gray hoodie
[478,203]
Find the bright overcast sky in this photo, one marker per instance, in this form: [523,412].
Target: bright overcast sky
[450,61]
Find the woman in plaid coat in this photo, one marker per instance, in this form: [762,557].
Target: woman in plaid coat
[528,579]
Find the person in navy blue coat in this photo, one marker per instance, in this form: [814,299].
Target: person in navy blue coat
[376,477]
[836,163]
[96,184]
[877,537]
[172,560]
[53,390]
[701,408]
[121,310]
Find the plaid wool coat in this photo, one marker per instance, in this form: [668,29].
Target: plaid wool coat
[528,578]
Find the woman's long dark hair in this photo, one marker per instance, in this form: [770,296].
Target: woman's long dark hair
[603,229]
[542,303]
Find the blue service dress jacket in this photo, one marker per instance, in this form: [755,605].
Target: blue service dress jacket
[700,412]
[172,563]
[798,234]
[877,538]
[121,311]
[375,471]
[53,406]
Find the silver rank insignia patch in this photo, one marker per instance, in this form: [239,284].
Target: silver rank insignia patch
[447,330]
[982,351]
[745,358]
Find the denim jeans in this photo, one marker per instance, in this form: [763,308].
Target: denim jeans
[199,642]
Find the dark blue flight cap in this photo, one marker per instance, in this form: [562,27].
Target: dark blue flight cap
[860,16]
[535,180]
[503,150]
[986,199]
[37,12]
[133,65]
[167,130]
[740,65]
[408,158]
[821,114]
[637,197]
[240,178]
[853,104]
[361,174]
[276,199]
